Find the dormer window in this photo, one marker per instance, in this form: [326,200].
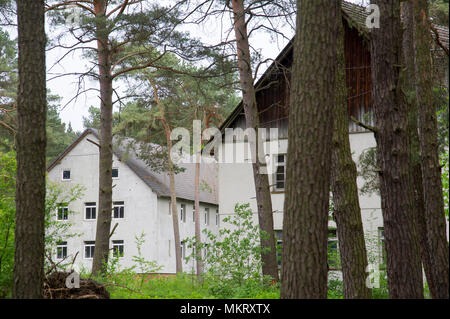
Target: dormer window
[115,173]
[66,175]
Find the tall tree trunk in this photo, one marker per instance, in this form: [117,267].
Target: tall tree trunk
[391,121]
[347,213]
[197,150]
[31,144]
[106,156]
[173,194]
[305,224]
[429,150]
[263,196]
[416,170]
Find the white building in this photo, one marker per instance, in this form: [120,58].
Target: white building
[141,205]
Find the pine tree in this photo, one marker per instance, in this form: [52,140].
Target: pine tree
[305,224]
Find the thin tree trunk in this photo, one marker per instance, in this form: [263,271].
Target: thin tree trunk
[347,212]
[416,170]
[173,194]
[31,144]
[263,196]
[393,154]
[105,163]
[305,224]
[429,150]
[199,261]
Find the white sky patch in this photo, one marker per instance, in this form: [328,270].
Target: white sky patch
[211,32]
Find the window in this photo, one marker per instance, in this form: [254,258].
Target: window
[279,245]
[63,212]
[115,173]
[206,216]
[280,172]
[118,210]
[217,217]
[193,215]
[183,213]
[333,253]
[117,248]
[183,249]
[66,174]
[382,246]
[91,210]
[89,247]
[61,250]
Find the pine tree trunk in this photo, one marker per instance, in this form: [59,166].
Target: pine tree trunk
[31,144]
[393,155]
[199,262]
[416,170]
[263,196]
[173,203]
[197,150]
[347,212]
[429,150]
[106,156]
[173,194]
[305,224]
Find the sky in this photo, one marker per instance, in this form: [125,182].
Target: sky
[72,111]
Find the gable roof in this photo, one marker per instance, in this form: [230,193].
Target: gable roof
[356,16]
[158,182]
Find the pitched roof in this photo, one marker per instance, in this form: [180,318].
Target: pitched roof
[356,16]
[159,182]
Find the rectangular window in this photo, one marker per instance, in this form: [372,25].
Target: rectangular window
[279,247]
[117,248]
[280,172]
[217,217]
[89,247]
[91,210]
[115,173]
[63,212]
[382,246]
[193,215]
[206,216]
[183,249]
[66,174]
[61,250]
[183,213]
[118,210]
[333,252]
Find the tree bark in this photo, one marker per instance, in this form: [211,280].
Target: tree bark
[347,212]
[391,121]
[263,196]
[305,224]
[173,194]
[106,155]
[409,85]
[31,144]
[429,154]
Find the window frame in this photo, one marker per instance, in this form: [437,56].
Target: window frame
[183,213]
[91,245]
[118,204]
[112,173]
[65,212]
[86,206]
[62,175]
[63,246]
[275,175]
[206,216]
[117,244]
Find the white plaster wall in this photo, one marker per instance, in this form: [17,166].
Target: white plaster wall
[144,212]
[236,184]
[165,237]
